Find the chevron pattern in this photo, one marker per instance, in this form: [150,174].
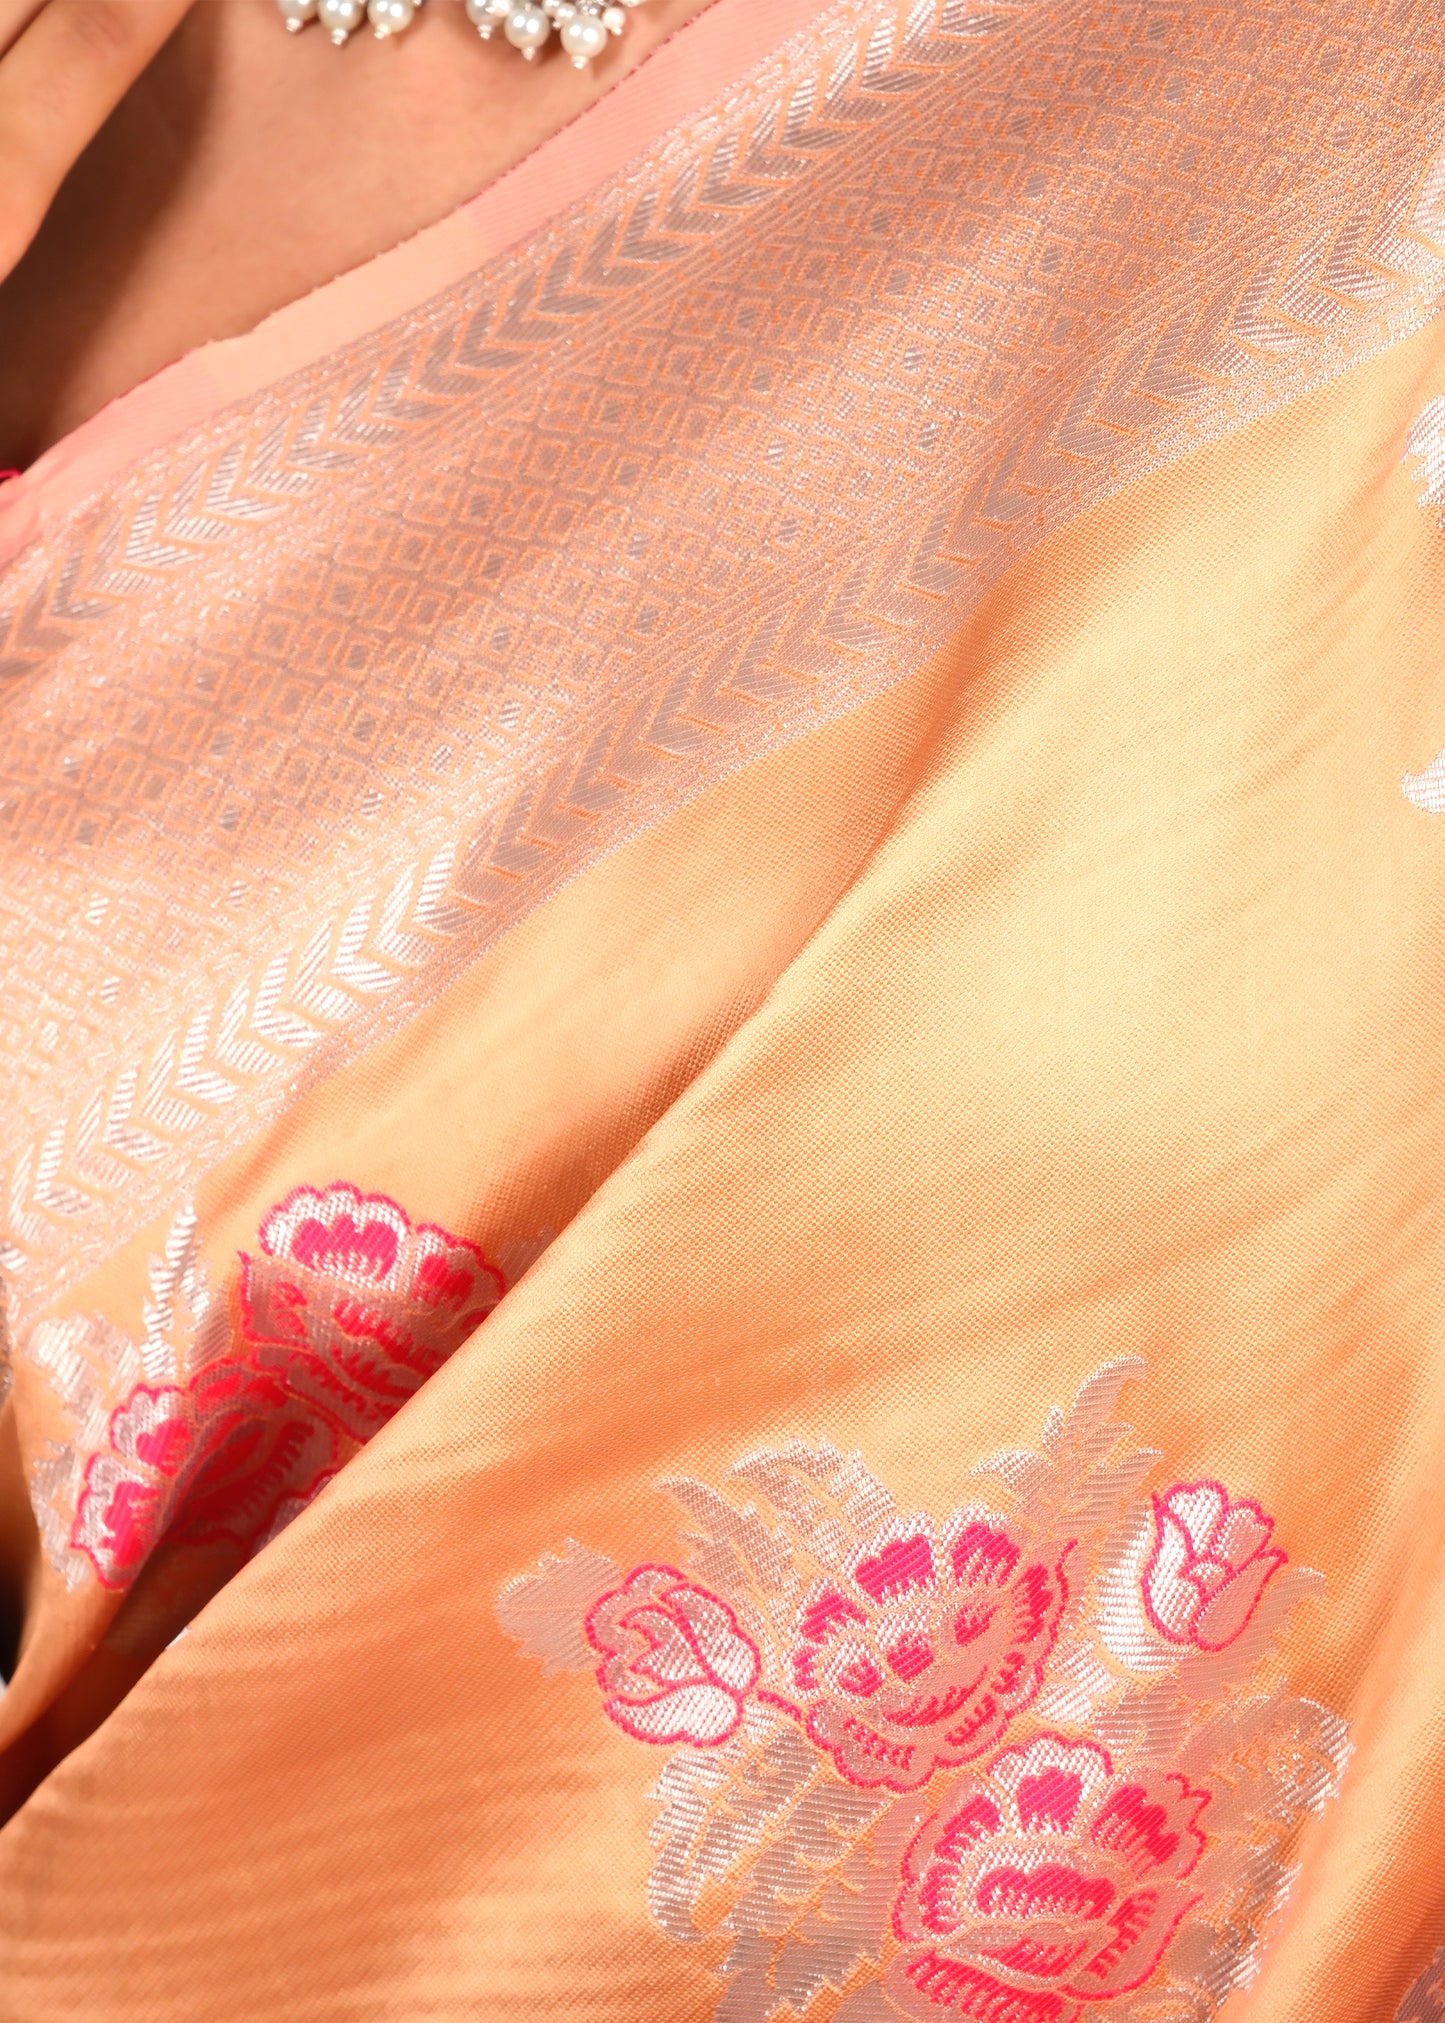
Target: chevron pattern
[330,692]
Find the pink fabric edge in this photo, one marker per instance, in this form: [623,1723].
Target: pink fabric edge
[677,80]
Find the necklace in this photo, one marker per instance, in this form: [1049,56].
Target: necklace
[583,26]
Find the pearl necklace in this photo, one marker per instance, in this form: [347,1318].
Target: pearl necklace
[583,26]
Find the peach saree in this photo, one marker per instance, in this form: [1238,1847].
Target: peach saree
[723,924]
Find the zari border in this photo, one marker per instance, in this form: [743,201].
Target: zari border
[730,447]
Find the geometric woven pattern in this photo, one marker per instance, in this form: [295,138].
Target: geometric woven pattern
[328,692]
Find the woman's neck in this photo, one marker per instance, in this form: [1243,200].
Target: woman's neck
[248,166]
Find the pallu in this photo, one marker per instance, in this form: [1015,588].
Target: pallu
[722,932]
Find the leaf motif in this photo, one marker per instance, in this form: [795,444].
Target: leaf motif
[1078,1481]
[735,1554]
[546,1611]
[827,1499]
[1023,1473]
[1098,1395]
[1266,1762]
[514,1260]
[1150,1722]
[1272,1758]
[717,1806]
[170,1277]
[1111,1485]
[818,1503]
[816,1905]
[1205,1675]
[1207,1961]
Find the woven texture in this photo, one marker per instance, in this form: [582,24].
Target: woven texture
[326,695]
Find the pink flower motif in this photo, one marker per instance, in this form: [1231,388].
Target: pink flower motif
[919,1656]
[210,1462]
[1043,1883]
[354,1306]
[676,1665]
[1211,1562]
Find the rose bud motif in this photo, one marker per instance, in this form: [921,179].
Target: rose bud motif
[354,1305]
[1210,1563]
[676,1666]
[924,1648]
[1044,1883]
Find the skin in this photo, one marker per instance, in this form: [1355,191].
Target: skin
[172,172]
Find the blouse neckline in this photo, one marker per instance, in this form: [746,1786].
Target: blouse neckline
[674,84]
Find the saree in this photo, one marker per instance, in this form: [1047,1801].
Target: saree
[722,924]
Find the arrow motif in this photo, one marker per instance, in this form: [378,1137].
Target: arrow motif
[641,243]
[30,635]
[556,299]
[844,621]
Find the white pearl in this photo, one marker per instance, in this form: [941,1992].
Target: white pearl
[296,13]
[527,28]
[340,18]
[583,38]
[614,19]
[390,17]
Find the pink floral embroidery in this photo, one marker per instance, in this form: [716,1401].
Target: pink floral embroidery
[205,1463]
[217,1443]
[676,1666]
[354,1306]
[1044,1883]
[925,1649]
[823,1657]
[1210,1564]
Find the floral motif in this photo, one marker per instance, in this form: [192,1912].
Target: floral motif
[1211,1562]
[835,1679]
[921,1654]
[1042,1884]
[208,1462]
[221,1436]
[354,1305]
[675,1667]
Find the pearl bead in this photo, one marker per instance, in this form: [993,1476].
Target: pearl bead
[614,19]
[296,13]
[583,38]
[340,18]
[390,17]
[527,28]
